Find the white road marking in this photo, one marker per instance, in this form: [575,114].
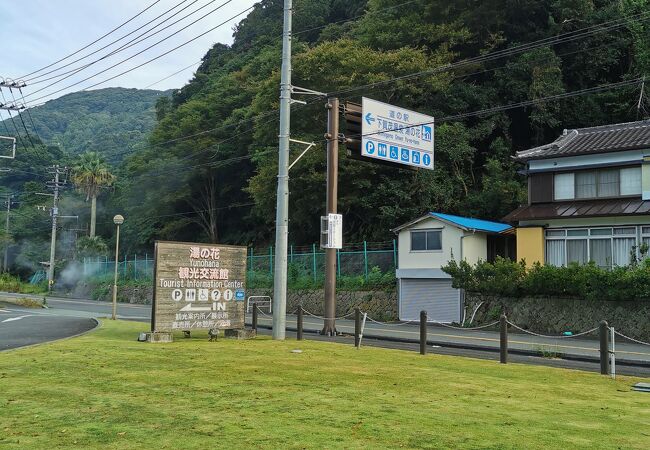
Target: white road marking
[11,319]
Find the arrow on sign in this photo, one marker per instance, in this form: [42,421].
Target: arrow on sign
[369,118]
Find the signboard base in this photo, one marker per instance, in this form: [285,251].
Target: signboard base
[159,337]
[240,335]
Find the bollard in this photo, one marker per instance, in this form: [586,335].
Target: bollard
[604,348]
[254,316]
[423,332]
[299,324]
[357,326]
[503,346]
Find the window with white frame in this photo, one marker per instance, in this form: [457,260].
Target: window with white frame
[426,240]
[602,183]
[607,246]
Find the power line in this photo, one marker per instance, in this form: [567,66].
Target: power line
[496,109]
[552,40]
[93,42]
[142,51]
[21,119]
[108,45]
[175,73]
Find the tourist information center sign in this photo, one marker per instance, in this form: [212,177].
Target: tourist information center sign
[198,286]
[396,134]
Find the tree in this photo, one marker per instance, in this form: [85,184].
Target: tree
[90,174]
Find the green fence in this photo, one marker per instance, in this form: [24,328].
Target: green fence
[356,259]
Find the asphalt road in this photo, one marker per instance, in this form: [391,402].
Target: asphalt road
[27,326]
[576,353]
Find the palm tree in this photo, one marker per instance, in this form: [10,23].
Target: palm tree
[90,174]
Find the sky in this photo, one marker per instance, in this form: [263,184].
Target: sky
[37,33]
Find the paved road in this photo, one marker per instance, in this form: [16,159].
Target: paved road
[577,353]
[27,326]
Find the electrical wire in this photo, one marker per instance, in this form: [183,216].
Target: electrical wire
[131,43]
[4,100]
[38,77]
[169,76]
[93,42]
[499,54]
[20,116]
[139,53]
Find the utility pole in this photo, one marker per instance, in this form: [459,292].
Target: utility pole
[56,184]
[282,211]
[5,265]
[332,136]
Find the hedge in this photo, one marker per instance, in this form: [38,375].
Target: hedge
[508,278]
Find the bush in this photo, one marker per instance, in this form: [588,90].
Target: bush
[511,279]
[12,283]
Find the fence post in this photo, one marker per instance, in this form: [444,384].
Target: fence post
[254,325]
[106,264]
[299,324]
[125,266]
[146,265]
[423,332]
[84,267]
[357,326]
[271,260]
[313,251]
[251,259]
[503,341]
[135,266]
[365,258]
[291,254]
[604,348]
[394,254]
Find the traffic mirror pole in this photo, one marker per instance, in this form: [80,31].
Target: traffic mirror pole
[332,136]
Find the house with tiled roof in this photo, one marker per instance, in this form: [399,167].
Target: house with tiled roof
[588,197]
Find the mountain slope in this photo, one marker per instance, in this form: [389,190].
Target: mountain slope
[108,121]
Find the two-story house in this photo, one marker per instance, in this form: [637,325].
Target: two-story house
[588,197]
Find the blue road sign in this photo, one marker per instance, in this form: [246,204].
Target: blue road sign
[396,134]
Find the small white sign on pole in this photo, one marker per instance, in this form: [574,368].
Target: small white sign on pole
[331,231]
[397,135]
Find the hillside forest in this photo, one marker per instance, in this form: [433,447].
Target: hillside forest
[207,169]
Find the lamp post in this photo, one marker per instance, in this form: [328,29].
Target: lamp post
[117,220]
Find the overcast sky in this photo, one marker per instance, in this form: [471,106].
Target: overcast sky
[36,33]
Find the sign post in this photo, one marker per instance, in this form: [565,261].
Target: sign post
[396,135]
[198,286]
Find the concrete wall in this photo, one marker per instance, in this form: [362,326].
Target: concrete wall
[530,245]
[554,316]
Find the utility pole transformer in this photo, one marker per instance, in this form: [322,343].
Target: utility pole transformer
[332,136]
[282,212]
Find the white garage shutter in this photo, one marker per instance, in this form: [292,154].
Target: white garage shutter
[435,296]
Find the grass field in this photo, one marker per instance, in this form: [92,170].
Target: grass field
[105,390]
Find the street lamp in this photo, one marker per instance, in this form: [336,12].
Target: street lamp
[117,220]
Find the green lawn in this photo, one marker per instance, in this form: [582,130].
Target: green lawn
[105,390]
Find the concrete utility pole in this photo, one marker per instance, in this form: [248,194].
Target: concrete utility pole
[5,261]
[332,136]
[282,212]
[55,185]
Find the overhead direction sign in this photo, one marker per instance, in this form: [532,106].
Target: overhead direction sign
[198,286]
[396,135]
